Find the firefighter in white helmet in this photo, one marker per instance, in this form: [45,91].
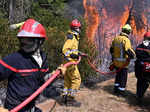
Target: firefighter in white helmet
[121,51]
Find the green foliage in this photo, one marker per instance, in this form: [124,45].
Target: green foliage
[52,15]
[53,47]
[89,48]
[8,43]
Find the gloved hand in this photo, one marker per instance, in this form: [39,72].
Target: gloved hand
[47,76]
[62,69]
[3,109]
[74,56]
[111,67]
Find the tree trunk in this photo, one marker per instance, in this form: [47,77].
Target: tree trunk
[12,4]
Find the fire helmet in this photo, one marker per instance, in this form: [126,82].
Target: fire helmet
[127,28]
[75,24]
[147,35]
[32,28]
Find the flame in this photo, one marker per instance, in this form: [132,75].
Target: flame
[92,19]
[106,23]
[125,16]
[138,31]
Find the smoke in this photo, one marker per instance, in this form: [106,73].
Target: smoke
[74,9]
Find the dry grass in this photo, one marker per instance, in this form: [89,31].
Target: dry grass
[100,98]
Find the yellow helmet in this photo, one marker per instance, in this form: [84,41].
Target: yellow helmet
[127,27]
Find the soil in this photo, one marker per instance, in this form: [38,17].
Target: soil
[100,98]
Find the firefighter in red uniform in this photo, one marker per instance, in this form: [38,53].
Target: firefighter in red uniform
[142,66]
[27,68]
[121,51]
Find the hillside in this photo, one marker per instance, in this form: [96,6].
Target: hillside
[100,98]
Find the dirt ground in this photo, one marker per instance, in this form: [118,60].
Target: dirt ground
[100,98]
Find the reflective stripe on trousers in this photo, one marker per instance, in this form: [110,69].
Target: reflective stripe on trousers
[120,59]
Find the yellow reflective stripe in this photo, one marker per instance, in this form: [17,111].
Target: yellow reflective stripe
[120,59]
[70,51]
[121,49]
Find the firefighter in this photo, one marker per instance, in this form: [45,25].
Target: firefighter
[142,66]
[27,68]
[121,52]
[72,79]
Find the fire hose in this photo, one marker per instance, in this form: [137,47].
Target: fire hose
[104,73]
[38,91]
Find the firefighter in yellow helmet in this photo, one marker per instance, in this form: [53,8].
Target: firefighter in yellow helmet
[121,51]
[72,79]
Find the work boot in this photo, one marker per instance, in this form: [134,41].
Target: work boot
[139,100]
[72,102]
[62,100]
[122,93]
[116,89]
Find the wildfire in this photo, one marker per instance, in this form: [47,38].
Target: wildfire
[92,19]
[106,23]
[125,16]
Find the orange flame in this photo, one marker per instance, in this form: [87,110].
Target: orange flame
[92,20]
[106,25]
[125,16]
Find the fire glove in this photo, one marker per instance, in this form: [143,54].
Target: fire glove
[62,72]
[74,56]
[111,67]
[62,69]
[3,109]
[47,76]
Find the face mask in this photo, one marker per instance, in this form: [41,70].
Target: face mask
[146,43]
[30,45]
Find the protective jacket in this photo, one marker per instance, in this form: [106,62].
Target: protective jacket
[142,56]
[72,79]
[24,76]
[121,50]
[71,45]
[142,69]
[143,61]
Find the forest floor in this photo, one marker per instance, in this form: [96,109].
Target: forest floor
[100,98]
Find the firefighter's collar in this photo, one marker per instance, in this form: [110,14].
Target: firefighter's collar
[76,34]
[124,34]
